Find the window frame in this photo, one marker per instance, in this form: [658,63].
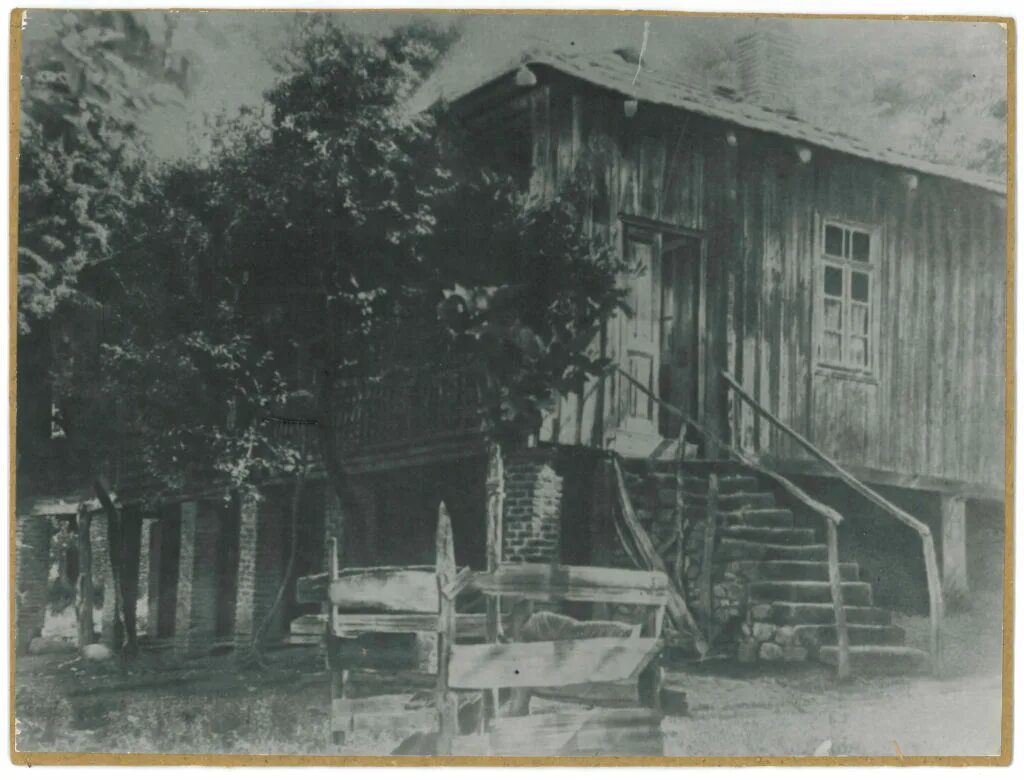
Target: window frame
[847,266]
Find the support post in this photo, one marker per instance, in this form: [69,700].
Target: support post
[709,551]
[954,547]
[836,586]
[495,513]
[447,704]
[86,631]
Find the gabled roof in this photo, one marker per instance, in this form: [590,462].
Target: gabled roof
[612,71]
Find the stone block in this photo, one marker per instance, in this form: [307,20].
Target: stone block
[770,651]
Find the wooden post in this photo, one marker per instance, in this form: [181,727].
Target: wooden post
[836,586]
[954,547]
[495,514]
[709,551]
[680,519]
[339,679]
[936,604]
[84,601]
[447,704]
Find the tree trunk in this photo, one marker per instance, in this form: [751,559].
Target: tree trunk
[83,603]
[125,635]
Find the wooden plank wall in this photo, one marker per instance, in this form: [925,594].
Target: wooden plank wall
[651,166]
[935,406]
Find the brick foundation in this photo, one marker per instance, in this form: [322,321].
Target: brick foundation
[532,523]
[32,574]
[196,607]
[142,604]
[102,577]
[261,559]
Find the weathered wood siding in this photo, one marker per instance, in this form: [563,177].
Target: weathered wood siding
[934,406]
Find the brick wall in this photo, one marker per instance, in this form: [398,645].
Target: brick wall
[103,578]
[261,559]
[533,498]
[196,607]
[142,605]
[32,574]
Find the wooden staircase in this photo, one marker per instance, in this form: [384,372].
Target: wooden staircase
[769,573]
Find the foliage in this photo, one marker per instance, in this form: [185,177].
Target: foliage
[531,331]
[83,89]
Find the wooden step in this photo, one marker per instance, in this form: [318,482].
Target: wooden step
[746,550]
[766,518]
[796,570]
[769,534]
[814,637]
[741,499]
[855,594]
[798,613]
[878,659]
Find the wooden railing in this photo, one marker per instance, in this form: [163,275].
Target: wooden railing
[931,566]
[406,407]
[829,516]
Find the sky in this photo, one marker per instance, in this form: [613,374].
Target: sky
[840,66]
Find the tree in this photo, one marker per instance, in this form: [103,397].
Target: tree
[79,170]
[312,246]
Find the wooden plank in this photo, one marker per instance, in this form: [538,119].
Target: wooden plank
[447,704]
[378,652]
[636,539]
[469,626]
[309,625]
[541,582]
[349,715]
[596,732]
[954,546]
[312,589]
[385,590]
[706,565]
[836,588]
[547,664]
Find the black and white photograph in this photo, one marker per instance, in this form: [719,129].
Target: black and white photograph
[615,387]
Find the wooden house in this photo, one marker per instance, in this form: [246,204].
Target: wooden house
[793,283]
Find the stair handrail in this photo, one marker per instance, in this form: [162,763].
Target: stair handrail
[935,600]
[830,516]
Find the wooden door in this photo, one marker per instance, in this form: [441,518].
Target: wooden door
[678,379]
[640,332]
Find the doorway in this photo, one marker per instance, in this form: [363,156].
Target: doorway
[660,339]
[678,380]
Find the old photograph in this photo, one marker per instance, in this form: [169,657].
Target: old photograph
[563,385]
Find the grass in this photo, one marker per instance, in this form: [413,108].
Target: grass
[162,704]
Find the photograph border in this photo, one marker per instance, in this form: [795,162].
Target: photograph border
[1004,758]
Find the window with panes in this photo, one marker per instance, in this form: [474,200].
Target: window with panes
[846,294]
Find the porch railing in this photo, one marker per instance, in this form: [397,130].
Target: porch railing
[831,518]
[931,566]
[405,408]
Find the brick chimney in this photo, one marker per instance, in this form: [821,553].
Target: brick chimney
[767,67]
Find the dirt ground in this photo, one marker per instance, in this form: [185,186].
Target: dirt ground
[161,704]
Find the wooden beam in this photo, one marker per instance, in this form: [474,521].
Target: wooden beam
[447,703]
[550,664]
[385,590]
[607,732]
[811,468]
[638,543]
[954,546]
[544,582]
[468,626]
